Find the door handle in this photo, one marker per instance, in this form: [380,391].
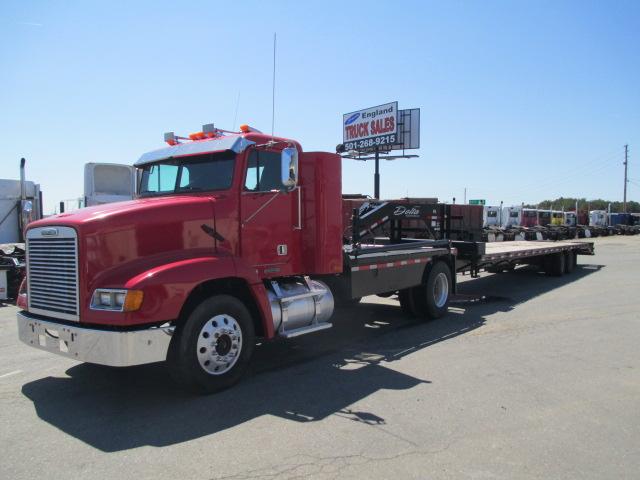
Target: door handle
[299,226]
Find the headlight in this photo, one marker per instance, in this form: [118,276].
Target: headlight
[116,300]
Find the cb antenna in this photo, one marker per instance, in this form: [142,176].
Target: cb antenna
[235,115]
[273,90]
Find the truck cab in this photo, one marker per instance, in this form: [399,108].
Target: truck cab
[557,217]
[511,217]
[570,219]
[529,217]
[544,217]
[598,218]
[491,216]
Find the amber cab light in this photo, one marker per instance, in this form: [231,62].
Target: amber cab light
[133,300]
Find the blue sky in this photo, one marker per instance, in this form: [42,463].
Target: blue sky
[520,101]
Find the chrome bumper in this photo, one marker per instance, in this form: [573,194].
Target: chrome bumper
[113,348]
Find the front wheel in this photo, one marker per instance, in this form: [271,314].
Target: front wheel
[211,350]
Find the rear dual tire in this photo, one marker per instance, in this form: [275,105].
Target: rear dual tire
[429,300]
[554,265]
[560,263]
[570,261]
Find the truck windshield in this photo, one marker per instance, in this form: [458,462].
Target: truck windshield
[196,173]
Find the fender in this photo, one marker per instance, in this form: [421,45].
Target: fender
[166,287]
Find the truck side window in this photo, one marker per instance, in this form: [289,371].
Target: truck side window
[263,171]
[161,178]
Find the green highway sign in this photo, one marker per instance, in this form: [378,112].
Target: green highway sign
[477,202]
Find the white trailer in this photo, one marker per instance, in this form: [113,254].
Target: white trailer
[108,183]
[19,205]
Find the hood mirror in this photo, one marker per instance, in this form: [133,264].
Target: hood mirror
[289,168]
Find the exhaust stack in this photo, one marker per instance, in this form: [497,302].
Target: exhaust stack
[23,187]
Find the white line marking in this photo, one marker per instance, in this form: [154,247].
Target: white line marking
[15,372]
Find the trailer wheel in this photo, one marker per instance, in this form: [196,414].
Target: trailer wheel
[431,300]
[570,261]
[211,350]
[554,265]
[439,287]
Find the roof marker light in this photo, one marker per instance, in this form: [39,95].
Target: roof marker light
[246,129]
[197,136]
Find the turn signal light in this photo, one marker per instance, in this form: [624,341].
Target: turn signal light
[133,300]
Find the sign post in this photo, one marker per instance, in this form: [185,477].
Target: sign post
[379,130]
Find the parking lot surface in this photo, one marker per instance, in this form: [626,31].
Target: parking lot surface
[527,377]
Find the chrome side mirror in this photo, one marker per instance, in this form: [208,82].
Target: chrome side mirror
[289,168]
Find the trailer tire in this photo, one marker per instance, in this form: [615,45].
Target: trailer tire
[211,350]
[570,261]
[408,302]
[554,265]
[431,300]
[438,291]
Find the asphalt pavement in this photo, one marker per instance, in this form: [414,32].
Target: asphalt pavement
[527,377]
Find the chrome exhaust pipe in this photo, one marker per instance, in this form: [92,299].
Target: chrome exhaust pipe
[23,187]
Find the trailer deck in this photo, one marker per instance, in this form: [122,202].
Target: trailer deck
[475,255]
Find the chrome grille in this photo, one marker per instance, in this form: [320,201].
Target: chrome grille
[52,272]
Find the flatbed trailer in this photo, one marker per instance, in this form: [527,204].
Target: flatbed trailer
[555,257]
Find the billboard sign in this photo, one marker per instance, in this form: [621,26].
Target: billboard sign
[370,128]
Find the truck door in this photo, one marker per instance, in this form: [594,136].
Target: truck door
[269,239]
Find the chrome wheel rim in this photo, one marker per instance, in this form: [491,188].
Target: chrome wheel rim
[440,290]
[219,344]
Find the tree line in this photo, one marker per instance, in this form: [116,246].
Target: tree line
[569,203]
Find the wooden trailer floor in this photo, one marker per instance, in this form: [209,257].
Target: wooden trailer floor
[531,248]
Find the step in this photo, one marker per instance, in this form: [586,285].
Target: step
[316,327]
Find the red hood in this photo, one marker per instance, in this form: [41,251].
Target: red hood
[103,213]
[120,240]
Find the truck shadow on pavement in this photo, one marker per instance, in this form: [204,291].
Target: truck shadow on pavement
[305,379]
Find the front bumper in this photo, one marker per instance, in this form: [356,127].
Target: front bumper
[104,347]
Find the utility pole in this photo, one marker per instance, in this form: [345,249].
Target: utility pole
[465,195]
[626,162]
[376,177]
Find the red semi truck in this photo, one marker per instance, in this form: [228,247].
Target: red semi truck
[233,237]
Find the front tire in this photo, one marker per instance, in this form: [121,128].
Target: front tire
[211,350]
